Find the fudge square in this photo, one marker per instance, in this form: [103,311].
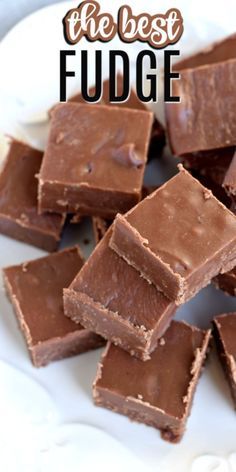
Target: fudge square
[157,141]
[35,289]
[225,337]
[19,217]
[158,392]
[179,237]
[110,298]
[94,160]
[205,118]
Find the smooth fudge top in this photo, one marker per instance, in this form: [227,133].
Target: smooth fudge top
[217,52]
[183,224]
[18,189]
[158,133]
[226,327]
[164,381]
[205,117]
[108,280]
[37,286]
[230,178]
[99,146]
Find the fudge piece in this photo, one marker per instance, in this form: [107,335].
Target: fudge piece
[35,290]
[158,392]
[212,164]
[229,182]
[94,160]
[178,238]
[109,297]
[101,225]
[225,337]
[218,51]
[19,217]
[227,282]
[158,140]
[205,117]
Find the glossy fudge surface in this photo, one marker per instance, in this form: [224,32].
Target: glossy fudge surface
[205,118]
[225,337]
[179,237]
[109,297]
[157,134]
[19,216]
[95,159]
[158,392]
[35,289]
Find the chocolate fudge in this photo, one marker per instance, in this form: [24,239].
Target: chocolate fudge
[35,290]
[225,337]
[205,118]
[157,141]
[158,392]
[94,160]
[218,51]
[178,238]
[227,282]
[19,216]
[212,164]
[110,298]
[101,225]
[229,182]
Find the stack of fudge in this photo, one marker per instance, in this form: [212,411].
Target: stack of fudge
[156,248]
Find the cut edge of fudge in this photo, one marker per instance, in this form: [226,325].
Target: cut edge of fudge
[84,209]
[44,352]
[93,315]
[22,229]
[74,300]
[152,415]
[227,360]
[140,243]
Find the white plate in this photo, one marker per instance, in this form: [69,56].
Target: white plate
[48,421]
